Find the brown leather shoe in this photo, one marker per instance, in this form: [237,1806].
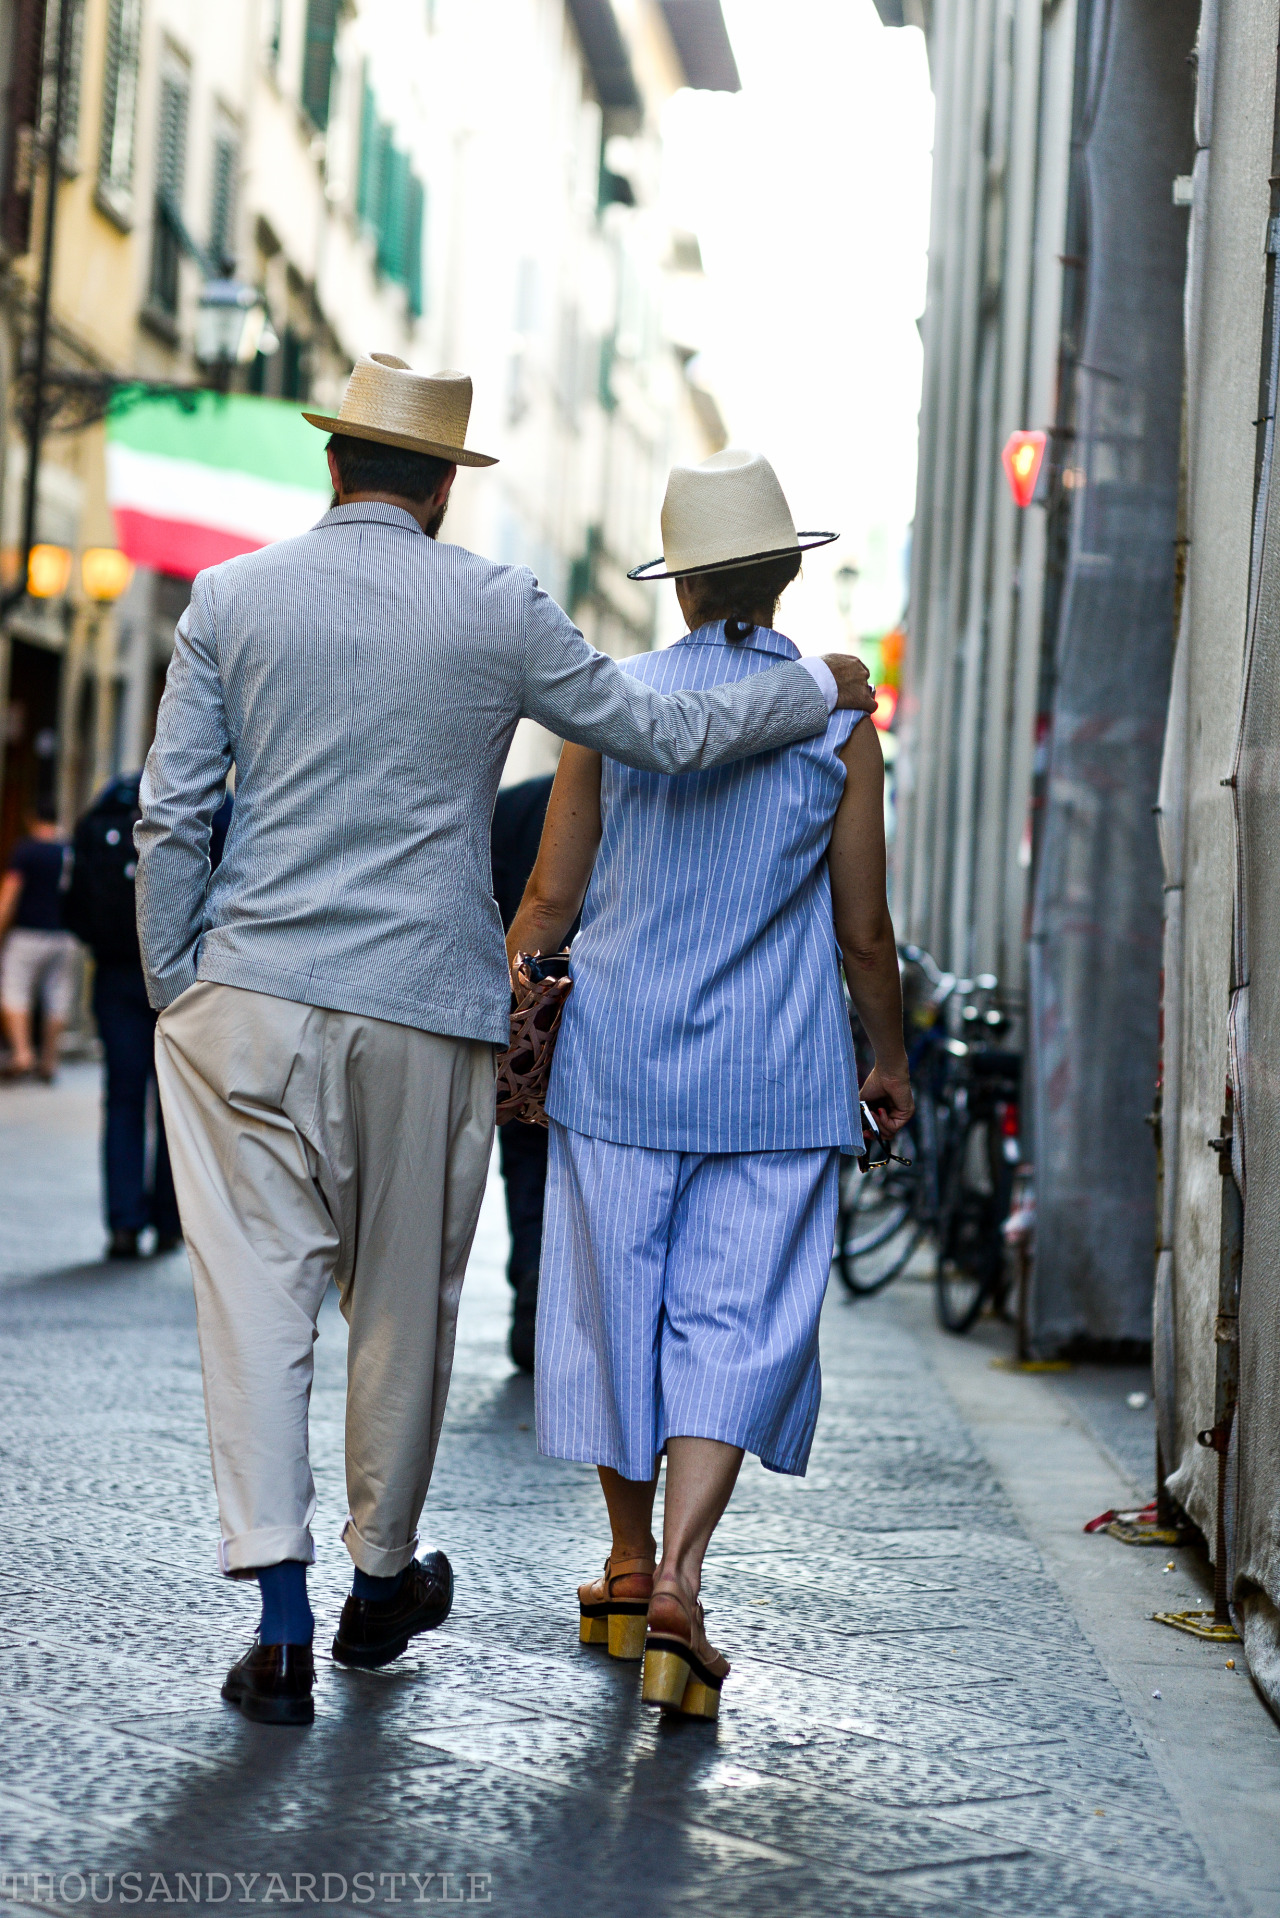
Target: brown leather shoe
[683,1671]
[612,1608]
[373,1631]
[272,1684]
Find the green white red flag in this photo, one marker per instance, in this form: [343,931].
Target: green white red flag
[196,481]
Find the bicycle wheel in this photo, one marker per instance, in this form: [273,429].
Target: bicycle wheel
[878,1226]
[968,1256]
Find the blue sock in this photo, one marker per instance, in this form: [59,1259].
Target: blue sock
[364,1585]
[286,1615]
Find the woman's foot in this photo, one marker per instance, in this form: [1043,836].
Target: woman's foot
[612,1608]
[683,1671]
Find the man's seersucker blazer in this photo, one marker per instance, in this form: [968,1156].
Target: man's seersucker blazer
[365,682]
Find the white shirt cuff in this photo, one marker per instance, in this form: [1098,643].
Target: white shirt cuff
[823,678]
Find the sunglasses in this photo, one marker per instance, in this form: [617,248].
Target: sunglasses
[875,1147]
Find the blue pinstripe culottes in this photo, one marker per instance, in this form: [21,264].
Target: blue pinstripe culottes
[680,1297]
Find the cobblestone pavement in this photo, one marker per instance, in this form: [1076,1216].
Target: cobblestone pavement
[915,1723]
[50,1212]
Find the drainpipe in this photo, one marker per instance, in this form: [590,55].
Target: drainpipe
[1226,1337]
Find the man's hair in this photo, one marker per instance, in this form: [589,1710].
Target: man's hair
[739,593]
[366,466]
[45,812]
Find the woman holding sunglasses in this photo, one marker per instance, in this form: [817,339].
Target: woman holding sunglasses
[703,1087]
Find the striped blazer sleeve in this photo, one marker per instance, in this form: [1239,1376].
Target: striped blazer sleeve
[183,784]
[584,696]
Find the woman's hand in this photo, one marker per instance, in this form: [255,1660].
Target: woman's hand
[890,1098]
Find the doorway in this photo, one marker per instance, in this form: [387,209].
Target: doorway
[31,738]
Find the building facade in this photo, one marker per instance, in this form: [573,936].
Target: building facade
[1040,636]
[460,186]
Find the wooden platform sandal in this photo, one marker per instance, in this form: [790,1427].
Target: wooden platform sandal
[683,1672]
[612,1618]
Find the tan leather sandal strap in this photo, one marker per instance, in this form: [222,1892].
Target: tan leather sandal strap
[672,1590]
[627,1568]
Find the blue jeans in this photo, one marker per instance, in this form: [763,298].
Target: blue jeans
[127,1026]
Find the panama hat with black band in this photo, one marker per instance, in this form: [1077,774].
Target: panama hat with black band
[729,511]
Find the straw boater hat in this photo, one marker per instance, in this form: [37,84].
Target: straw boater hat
[419,412]
[730,511]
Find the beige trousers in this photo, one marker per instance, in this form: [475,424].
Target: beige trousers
[307,1146]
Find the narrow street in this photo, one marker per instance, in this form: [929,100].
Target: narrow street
[944,1699]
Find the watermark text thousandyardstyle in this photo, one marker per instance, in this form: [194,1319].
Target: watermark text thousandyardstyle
[142,1887]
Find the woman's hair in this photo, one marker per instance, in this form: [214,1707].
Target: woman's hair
[740,593]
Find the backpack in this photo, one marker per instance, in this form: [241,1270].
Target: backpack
[99,906]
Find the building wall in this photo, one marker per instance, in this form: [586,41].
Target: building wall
[1040,638]
[1003,74]
[543,274]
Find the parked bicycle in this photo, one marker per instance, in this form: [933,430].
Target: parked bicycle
[952,1175]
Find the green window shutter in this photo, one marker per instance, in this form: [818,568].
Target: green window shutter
[393,224]
[369,186]
[414,243]
[119,108]
[604,387]
[317,59]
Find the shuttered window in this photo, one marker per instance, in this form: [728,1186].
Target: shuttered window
[392,231]
[70,153]
[23,118]
[171,169]
[392,204]
[317,59]
[415,240]
[222,209]
[119,109]
[369,186]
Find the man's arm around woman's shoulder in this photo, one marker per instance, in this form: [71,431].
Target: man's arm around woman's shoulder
[583,695]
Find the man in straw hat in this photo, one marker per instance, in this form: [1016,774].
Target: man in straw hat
[331,997]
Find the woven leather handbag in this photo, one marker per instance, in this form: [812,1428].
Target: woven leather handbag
[524,1068]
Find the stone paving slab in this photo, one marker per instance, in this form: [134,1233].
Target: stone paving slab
[50,1213]
[914,1725]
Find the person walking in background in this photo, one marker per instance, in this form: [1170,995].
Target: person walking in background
[38,967]
[101,910]
[518,816]
[331,998]
[703,1086]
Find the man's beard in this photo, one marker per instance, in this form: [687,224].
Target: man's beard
[433,524]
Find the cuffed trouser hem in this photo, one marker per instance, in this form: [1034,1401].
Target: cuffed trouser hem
[376,1560]
[274,1545]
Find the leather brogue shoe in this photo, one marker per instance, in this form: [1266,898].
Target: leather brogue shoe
[272,1684]
[373,1631]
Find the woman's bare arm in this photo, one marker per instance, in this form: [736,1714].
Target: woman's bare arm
[864,930]
[567,852]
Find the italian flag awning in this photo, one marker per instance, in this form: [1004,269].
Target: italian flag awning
[197,481]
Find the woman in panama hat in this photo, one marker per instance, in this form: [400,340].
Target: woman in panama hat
[703,1087]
